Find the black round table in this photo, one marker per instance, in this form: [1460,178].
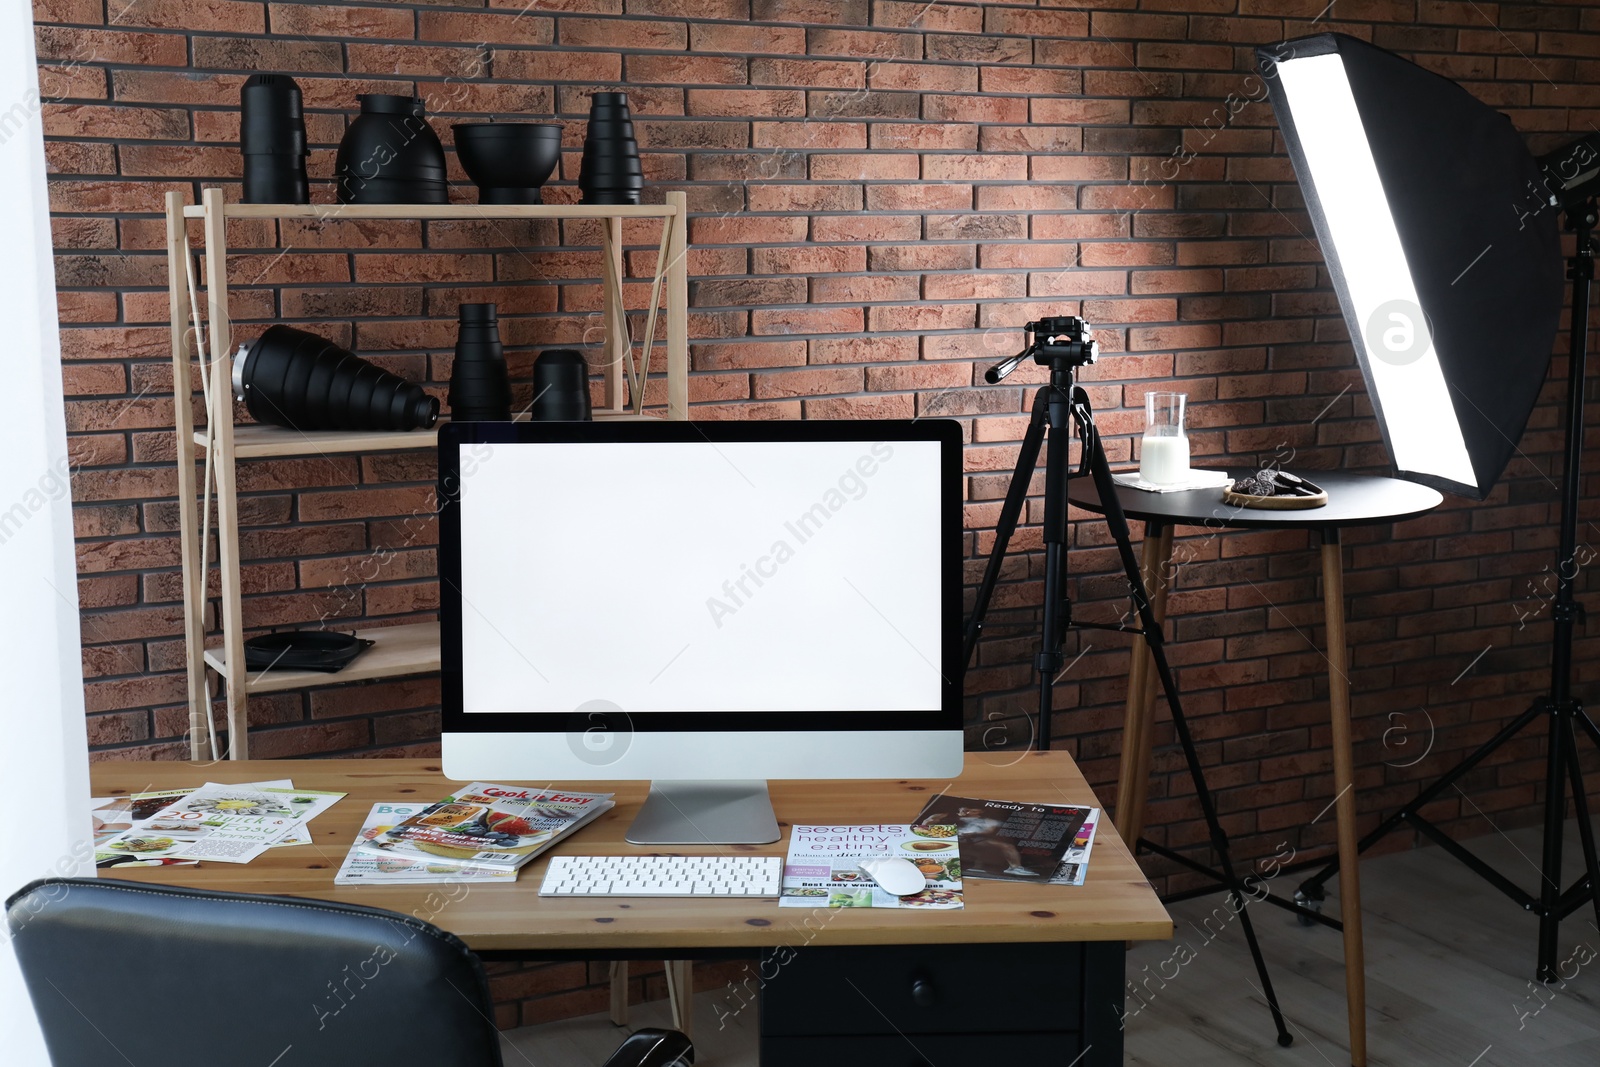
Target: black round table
[1353,500]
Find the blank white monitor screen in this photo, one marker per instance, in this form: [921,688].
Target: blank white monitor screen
[745,576]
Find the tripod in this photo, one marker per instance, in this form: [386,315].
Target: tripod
[1059,343]
[1562,711]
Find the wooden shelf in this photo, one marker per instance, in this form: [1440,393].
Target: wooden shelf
[398,651]
[401,650]
[436,211]
[256,441]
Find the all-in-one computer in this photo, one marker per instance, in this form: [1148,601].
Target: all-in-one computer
[702,605]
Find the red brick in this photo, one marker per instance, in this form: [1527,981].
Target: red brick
[559,66]
[318,20]
[864,166]
[626,33]
[941,108]
[808,73]
[940,167]
[809,134]
[893,406]
[865,228]
[917,14]
[853,289]
[252,53]
[227,16]
[747,39]
[762,103]
[870,44]
[919,197]
[691,70]
[804,321]
[1037,23]
[746,230]
[428,60]
[125,123]
[812,260]
[940,136]
[865,349]
[810,382]
[923,77]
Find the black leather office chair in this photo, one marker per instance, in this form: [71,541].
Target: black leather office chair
[125,972]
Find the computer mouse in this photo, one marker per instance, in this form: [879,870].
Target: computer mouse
[894,875]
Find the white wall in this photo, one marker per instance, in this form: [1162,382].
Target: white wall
[43,747]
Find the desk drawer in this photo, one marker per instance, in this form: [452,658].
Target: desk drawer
[924,1050]
[937,989]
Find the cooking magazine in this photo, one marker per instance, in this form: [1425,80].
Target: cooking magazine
[365,868]
[485,825]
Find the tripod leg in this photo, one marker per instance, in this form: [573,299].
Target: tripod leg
[1591,862]
[1428,795]
[1057,468]
[1117,522]
[1355,979]
[1581,718]
[1555,817]
[1133,788]
[1010,512]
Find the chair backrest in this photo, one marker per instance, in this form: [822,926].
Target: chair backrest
[125,972]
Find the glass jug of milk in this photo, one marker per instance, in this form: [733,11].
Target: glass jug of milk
[1164,452]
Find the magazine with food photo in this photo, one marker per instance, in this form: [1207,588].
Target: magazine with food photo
[823,868]
[365,868]
[224,823]
[486,825]
[143,806]
[1007,840]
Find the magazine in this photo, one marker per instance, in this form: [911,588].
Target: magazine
[1075,864]
[113,815]
[485,825]
[1006,840]
[109,817]
[364,868]
[226,823]
[143,806]
[822,869]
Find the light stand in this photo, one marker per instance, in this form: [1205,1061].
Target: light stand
[1563,712]
[1062,344]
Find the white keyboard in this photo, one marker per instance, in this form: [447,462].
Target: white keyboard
[663,876]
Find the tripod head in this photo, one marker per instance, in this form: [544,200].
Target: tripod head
[1060,342]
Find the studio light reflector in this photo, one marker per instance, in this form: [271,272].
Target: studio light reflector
[1450,285]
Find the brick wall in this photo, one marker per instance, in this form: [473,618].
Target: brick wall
[884,191]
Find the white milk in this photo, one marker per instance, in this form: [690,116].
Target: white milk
[1164,460]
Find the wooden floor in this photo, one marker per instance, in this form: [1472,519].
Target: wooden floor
[1449,963]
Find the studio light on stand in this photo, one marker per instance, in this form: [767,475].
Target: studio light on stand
[1441,232]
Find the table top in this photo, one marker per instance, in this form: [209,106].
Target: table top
[1353,500]
[1116,903]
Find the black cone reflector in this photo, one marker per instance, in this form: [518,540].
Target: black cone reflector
[1442,244]
[480,385]
[288,377]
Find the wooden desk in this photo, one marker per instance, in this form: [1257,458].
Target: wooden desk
[1064,944]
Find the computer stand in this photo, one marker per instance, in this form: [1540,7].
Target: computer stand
[1053,406]
[705,813]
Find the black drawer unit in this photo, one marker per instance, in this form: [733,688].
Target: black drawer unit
[1014,1001]
[925,1050]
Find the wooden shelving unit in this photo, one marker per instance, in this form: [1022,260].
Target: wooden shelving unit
[399,650]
